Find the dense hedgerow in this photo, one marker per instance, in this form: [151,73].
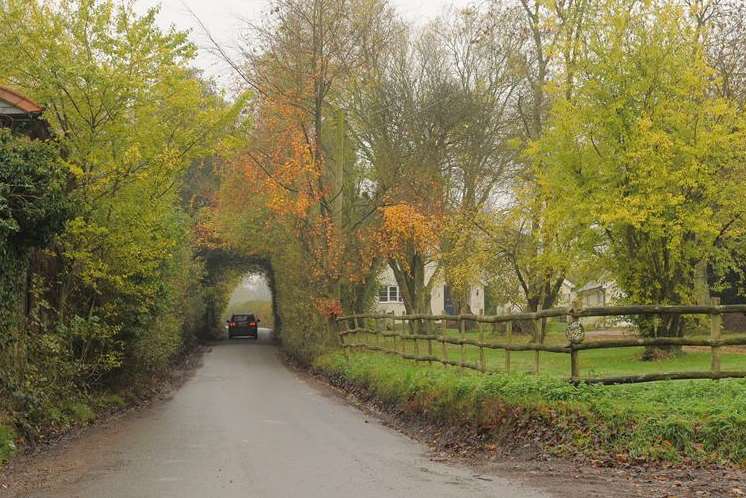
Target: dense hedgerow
[101,287]
[702,421]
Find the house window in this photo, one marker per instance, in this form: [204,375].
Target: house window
[390,294]
[383,295]
[393,293]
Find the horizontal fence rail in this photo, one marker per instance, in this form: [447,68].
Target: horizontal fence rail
[356,333]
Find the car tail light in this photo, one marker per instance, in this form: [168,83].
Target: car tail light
[232,324]
[252,324]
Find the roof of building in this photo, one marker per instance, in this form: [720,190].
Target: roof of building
[12,102]
[592,285]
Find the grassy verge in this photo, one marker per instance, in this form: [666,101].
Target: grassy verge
[694,421]
[51,420]
[7,443]
[48,422]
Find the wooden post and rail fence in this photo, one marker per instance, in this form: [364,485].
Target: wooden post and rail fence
[355,334]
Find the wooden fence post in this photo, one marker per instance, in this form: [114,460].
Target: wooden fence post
[397,339]
[482,358]
[359,338]
[418,330]
[445,349]
[382,324]
[382,328]
[402,337]
[571,320]
[537,339]
[509,340]
[342,338]
[462,330]
[394,338]
[574,365]
[430,349]
[715,323]
[366,334]
[356,334]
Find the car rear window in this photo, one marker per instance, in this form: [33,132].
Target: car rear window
[243,318]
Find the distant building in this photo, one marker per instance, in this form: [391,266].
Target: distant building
[22,115]
[566,294]
[565,298]
[442,301]
[596,293]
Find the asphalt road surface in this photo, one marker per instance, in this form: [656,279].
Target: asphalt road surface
[246,426]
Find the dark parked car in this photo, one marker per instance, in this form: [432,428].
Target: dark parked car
[243,326]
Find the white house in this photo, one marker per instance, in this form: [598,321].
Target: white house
[441,302]
[595,293]
[599,294]
[566,294]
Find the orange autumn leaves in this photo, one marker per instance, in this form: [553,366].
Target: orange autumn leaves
[283,178]
[281,163]
[406,229]
[290,189]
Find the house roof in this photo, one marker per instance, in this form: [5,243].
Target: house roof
[12,102]
[592,285]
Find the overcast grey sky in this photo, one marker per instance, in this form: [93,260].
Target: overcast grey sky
[223,18]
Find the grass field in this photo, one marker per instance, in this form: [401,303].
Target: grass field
[594,363]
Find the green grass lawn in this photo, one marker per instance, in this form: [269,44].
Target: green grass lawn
[593,363]
[700,420]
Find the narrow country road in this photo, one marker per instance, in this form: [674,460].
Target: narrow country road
[246,426]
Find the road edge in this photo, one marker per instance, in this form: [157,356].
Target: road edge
[160,387]
[530,464]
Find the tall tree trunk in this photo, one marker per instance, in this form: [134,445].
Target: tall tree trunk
[701,283]
[662,326]
[415,292]
[665,326]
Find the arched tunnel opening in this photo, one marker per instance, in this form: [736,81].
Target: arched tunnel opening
[251,299]
[239,284]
